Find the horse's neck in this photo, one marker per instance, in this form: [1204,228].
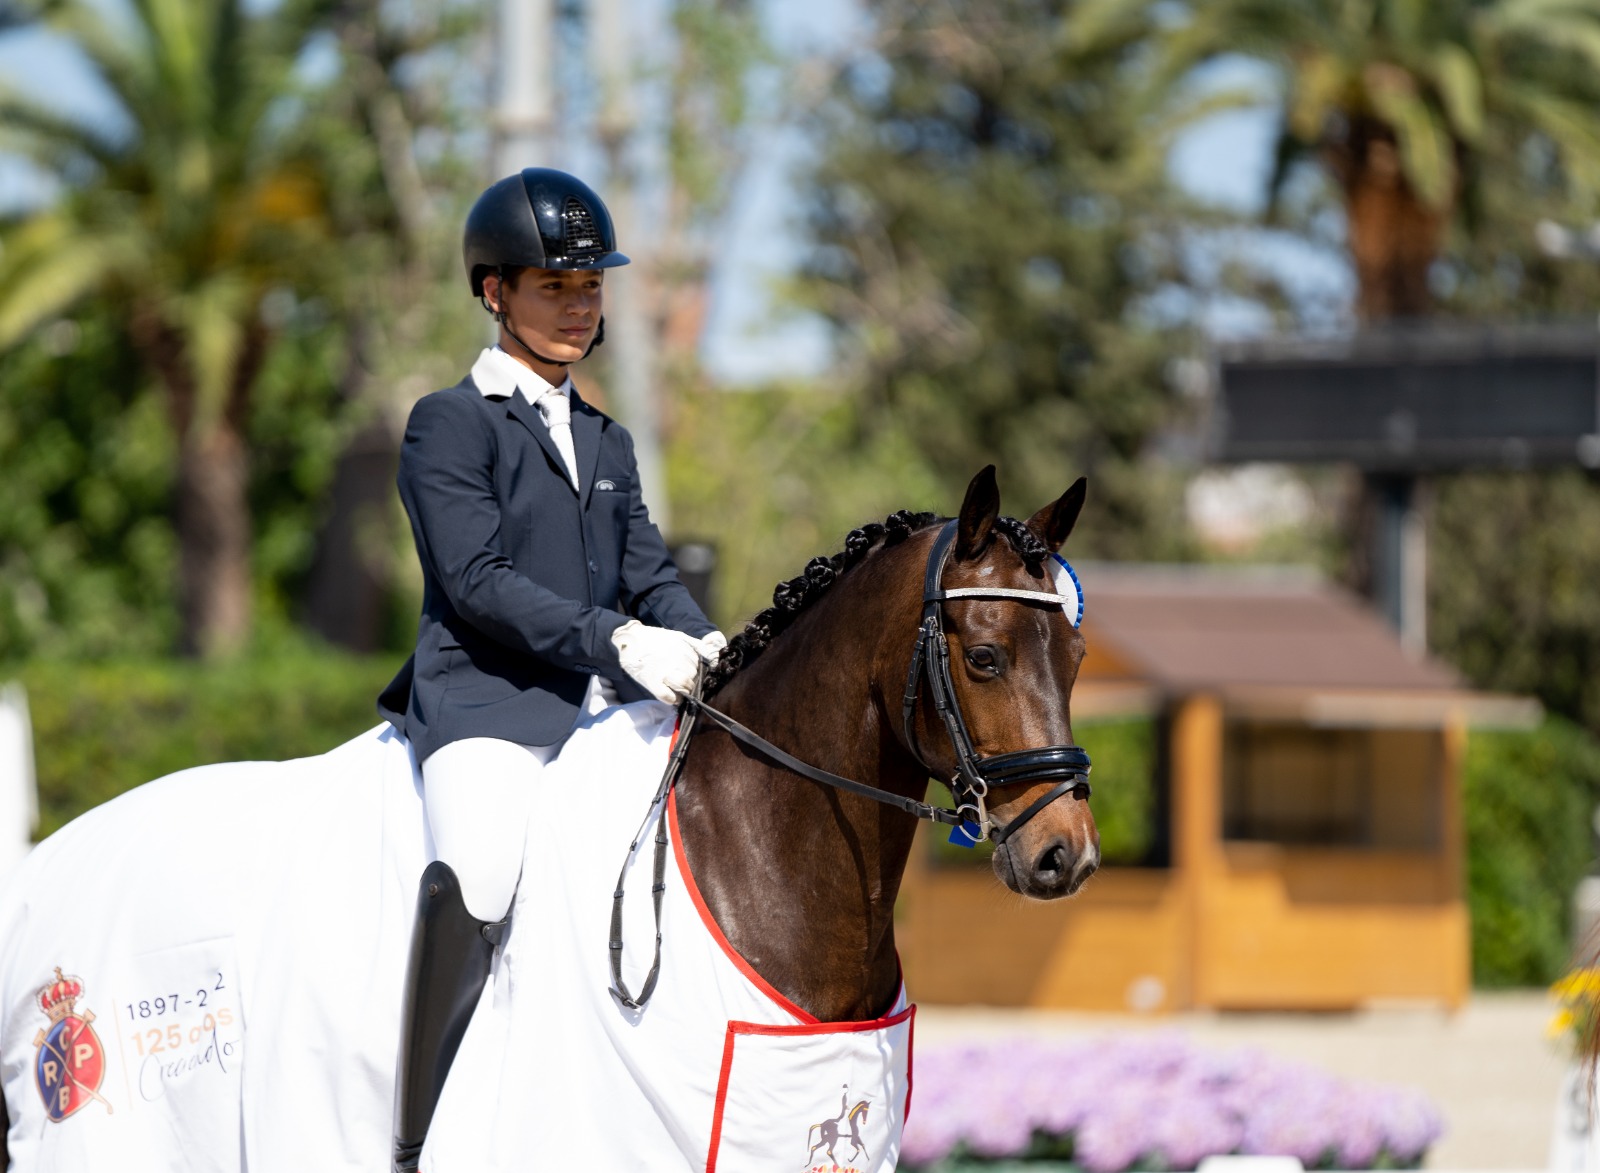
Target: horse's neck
[800,877]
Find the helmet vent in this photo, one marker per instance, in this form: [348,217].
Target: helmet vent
[579,233]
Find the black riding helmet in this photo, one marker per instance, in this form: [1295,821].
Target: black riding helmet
[538,219]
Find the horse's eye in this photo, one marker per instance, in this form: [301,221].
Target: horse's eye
[984,659]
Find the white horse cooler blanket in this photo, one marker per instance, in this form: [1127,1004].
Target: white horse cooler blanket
[282,894]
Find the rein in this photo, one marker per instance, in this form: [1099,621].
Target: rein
[969,786]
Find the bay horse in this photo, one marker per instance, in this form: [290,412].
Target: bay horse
[765,844]
[800,878]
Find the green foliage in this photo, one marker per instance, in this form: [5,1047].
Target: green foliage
[87,546]
[102,728]
[193,211]
[1513,562]
[776,478]
[86,554]
[1528,801]
[1124,753]
[994,229]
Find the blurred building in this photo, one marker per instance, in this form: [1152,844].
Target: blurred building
[1307,849]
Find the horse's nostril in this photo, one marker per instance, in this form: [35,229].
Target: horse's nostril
[1051,866]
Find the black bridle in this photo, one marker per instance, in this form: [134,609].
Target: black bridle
[975,775]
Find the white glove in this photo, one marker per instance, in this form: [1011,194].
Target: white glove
[664,662]
[711,646]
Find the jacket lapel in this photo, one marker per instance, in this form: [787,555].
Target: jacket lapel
[519,409]
[586,425]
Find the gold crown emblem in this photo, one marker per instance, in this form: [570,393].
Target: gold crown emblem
[59,997]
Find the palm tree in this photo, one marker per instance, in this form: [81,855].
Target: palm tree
[1408,105]
[184,218]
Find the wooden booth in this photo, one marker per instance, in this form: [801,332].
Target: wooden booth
[1306,846]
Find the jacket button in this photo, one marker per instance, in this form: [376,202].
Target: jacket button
[594,567]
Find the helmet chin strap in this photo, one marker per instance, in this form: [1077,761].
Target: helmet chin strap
[501,316]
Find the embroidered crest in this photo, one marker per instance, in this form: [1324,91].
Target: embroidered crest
[70,1062]
[843,1128]
[605,486]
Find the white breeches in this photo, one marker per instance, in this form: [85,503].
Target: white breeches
[477,795]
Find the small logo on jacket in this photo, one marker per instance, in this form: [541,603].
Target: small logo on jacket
[605,486]
[826,1134]
[70,1063]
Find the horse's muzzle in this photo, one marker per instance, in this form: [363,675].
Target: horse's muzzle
[1049,870]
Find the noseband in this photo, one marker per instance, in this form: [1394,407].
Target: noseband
[975,775]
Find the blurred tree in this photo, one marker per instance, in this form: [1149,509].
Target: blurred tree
[995,233]
[183,220]
[387,136]
[1409,105]
[1515,557]
[86,551]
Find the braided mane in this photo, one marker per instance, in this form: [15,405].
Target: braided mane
[793,596]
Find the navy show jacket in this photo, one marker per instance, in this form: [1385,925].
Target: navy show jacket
[524,578]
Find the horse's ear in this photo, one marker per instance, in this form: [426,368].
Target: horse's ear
[978,514]
[1055,521]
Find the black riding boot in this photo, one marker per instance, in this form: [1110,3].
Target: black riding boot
[450,955]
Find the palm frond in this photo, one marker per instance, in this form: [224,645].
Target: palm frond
[49,265]
[1425,145]
[1455,75]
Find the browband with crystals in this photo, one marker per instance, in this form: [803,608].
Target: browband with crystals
[1068,594]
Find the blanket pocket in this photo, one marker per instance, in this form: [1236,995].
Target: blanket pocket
[833,1093]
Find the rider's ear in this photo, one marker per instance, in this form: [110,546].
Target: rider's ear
[978,514]
[1055,521]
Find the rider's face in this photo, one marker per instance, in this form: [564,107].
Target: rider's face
[555,311]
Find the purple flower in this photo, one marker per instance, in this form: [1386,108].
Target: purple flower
[1192,1127]
[1122,1100]
[1411,1123]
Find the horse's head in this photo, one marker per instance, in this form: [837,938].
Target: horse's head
[1013,663]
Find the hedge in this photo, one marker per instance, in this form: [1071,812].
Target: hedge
[1528,804]
[100,729]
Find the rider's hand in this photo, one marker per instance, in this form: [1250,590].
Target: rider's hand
[710,646]
[664,662]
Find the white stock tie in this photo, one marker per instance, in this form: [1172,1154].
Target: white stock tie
[556,411]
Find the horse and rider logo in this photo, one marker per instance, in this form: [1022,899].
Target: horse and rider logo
[826,1134]
[70,1063]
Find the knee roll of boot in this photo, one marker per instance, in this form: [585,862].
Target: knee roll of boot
[451,952]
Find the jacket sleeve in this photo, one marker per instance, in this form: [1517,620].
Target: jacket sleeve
[652,590]
[447,485]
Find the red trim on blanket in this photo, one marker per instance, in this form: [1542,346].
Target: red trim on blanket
[822,1028]
[712,927]
[911,1055]
[736,1028]
[722,1100]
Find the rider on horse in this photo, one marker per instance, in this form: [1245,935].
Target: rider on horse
[548,593]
